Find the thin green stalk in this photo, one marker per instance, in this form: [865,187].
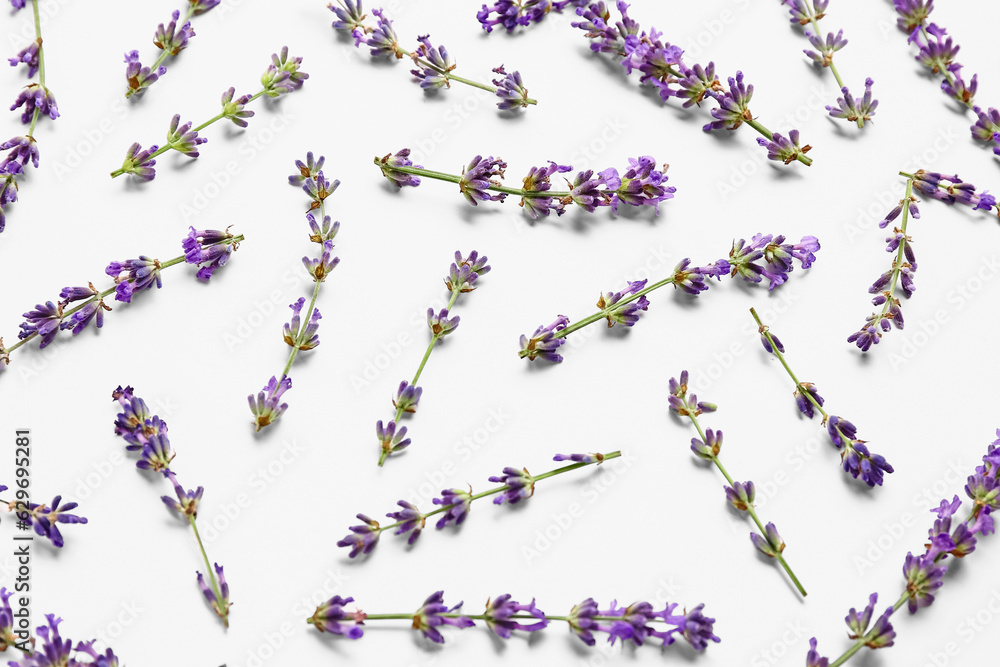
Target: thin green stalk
[453,77]
[897,265]
[452,178]
[601,314]
[166,147]
[100,295]
[501,489]
[750,510]
[41,63]
[800,156]
[222,610]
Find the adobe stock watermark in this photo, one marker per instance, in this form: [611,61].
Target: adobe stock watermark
[792,635]
[560,523]
[712,30]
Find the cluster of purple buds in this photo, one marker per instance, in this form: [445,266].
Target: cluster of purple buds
[453,505]
[855,109]
[433,65]
[662,66]
[301,332]
[513,13]
[44,518]
[777,256]
[924,573]
[952,190]
[54,650]
[146,434]
[636,623]
[170,39]
[208,249]
[641,184]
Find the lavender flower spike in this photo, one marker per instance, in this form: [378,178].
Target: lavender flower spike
[301,332]
[740,495]
[434,66]
[44,519]
[54,649]
[463,276]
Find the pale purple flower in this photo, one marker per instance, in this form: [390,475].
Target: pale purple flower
[267,408]
[544,343]
[510,90]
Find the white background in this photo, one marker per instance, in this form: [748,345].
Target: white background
[660,527]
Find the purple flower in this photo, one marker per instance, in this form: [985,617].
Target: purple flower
[544,343]
[912,13]
[520,485]
[209,249]
[436,74]
[770,544]
[937,55]
[957,89]
[429,617]
[8,195]
[802,399]
[282,76]
[697,83]
[478,177]
[693,281]
[538,180]
[804,12]
[813,658]
[855,109]
[987,124]
[320,267]
[134,275]
[783,149]
[984,491]
[363,537]
[220,603]
[44,321]
[268,408]
[390,164]
[510,90]
[579,458]
[465,271]
[512,13]
[350,17]
[319,189]
[585,192]
[393,439]
[923,577]
[642,184]
[683,405]
[827,48]
[741,495]
[410,520]
[407,397]
[45,519]
[840,430]
[170,38]
[733,106]
[333,618]
[626,313]
[458,503]
[440,324]
[297,336]
[321,234]
[383,40]
[952,190]
[156,453]
[696,628]
[139,162]
[182,138]
[199,7]
[29,56]
[859,462]
[499,611]
[36,97]
[710,447]
[187,501]
[91,311]
[139,78]
[311,168]
[233,109]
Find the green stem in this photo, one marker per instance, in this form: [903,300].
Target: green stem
[110,290]
[41,63]
[452,77]
[384,453]
[750,510]
[501,489]
[166,147]
[781,357]
[452,178]
[897,265]
[800,156]
[601,314]
[222,610]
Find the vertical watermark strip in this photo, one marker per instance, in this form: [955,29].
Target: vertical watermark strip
[22,544]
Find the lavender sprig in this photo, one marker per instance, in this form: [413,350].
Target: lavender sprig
[146,433]
[661,64]
[513,13]
[434,65]
[301,332]
[854,455]
[454,504]
[281,77]
[170,40]
[924,574]
[948,189]
[642,184]
[636,622]
[739,494]
[37,101]
[43,518]
[206,249]
[54,649]
[623,307]
[462,278]
[808,12]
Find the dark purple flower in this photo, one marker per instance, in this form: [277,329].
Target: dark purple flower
[923,577]
[410,520]
[171,38]
[696,628]
[182,138]
[538,180]
[156,453]
[139,162]
[499,611]
[45,519]
[44,321]
[626,313]
[802,399]
[733,106]
[34,97]
[840,430]
[512,13]
[581,621]
[770,544]
[363,537]
[859,462]
[298,336]
[741,495]
[407,397]
[693,281]
[134,275]
[282,76]
[520,485]
[333,618]
[641,185]
[429,617]
[478,177]
[390,164]
[510,90]
[458,503]
[544,343]
[208,249]
[135,422]
[220,603]
[784,149]
[393,438]
[912,13]
[29,56]
[268,408]
[952,190]
[868,335]
[139,77]
[813,658]
[91,311]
